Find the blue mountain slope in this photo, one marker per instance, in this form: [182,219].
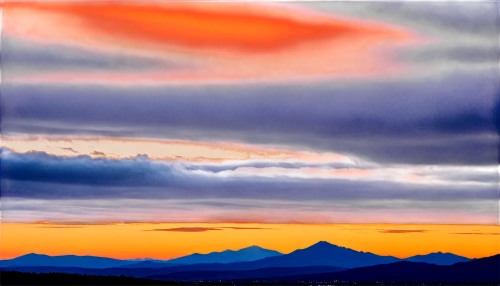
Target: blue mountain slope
[64,261]
[438,258]
[251,253]
[483,270]
[149,264]
[321,253]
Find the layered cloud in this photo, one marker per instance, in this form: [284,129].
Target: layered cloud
[311,112]
[120,148]
[213,39]
[200,194]
[423,122]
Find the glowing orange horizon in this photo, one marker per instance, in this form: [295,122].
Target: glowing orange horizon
[213,39]
[140,240]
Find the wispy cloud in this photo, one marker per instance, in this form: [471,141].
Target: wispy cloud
[69,149]
[203,229]
[61,227]
[186,229]
[60,223]
[69,223]
[402,230]
[246,228]
[240,194]
[343,47]
[478,233]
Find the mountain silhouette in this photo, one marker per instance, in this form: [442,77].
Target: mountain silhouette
[438,258]
[477,271]
[149,264]
[320,254]
[34,259]
[251,253]
[483,270]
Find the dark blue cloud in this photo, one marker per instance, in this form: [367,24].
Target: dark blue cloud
[39,182]
[439,121]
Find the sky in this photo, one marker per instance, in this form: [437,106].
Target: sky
[293,116]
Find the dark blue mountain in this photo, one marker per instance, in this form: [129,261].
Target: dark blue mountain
[64,261]
[149,264]
[145,259]
[438,258]
[206,275]
[483,270]
[251,253]
[319,254]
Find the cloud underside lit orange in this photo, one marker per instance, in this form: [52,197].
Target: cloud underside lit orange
[214,37]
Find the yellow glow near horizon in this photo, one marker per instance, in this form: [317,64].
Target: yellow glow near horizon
[139,241]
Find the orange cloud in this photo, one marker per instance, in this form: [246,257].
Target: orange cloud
[186,229]
[225,41]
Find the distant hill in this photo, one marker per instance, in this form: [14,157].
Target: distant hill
[484,270]
[149,264]
[34,259]
[251,253]
[319,254]
[477,271]
[438,258]
[207,275]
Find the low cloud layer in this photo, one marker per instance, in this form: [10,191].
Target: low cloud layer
[181,191]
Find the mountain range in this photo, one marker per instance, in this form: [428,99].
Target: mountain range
[319,262]
[477,271]
[438,258]
[254,257]
[483,270]
[33,259]
[251,253]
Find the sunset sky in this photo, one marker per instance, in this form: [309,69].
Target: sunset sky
[183,127]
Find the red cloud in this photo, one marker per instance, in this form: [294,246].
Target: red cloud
[225,41]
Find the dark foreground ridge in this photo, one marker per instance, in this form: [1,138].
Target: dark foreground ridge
[24,278]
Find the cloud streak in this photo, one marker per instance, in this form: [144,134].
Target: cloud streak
[204,229]
[477,233]
[407,122]
[184,192]
[343,47]
[186,229]
[402,230]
